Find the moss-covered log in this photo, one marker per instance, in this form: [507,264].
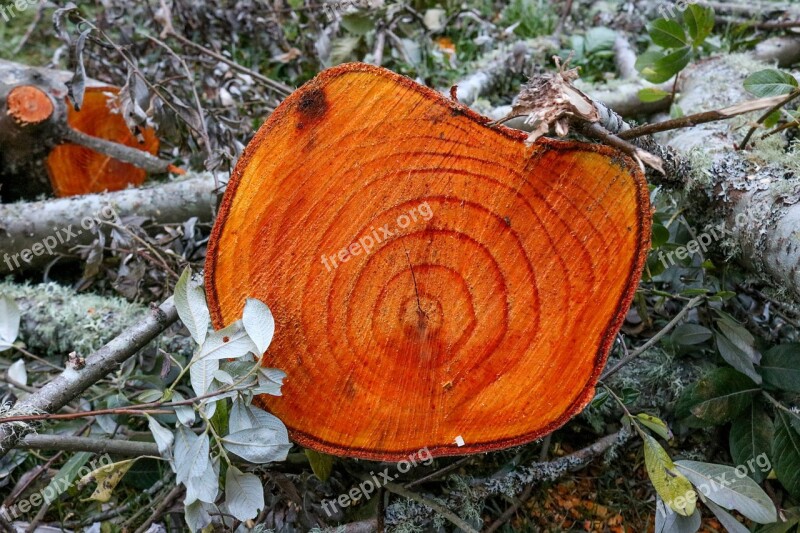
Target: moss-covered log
[56,320]
[753,194]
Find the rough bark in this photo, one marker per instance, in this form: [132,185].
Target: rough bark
[756,193]
[48,226]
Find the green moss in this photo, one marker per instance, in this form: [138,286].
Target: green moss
[56,320]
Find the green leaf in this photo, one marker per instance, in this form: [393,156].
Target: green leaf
[321,464]
[598,39]
[652,94]
[343,49]
[258,445]
[656,67]
[736,357]
[660,235]
[163,436]
[191,454]
[358,23]
[772,119]
[792,520]
[780,367]
[673,487]
[197,515]
[228,343]
[668,521]
[270,381]
[751,440]
[786,453]
[730,489]
[690,334]
[741,338]
[727,520]
[655,424]
[717,398]
[65,476]
[770,82]
[219,420]
[700,21]
[201,375]
[667,34]
[258,323]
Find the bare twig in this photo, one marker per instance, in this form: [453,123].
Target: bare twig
[783,101]
[162,506]
[439,473]
[508,513]
[35,22]
[694,302]
[139,158]
[700,118]
[86,444]
[273,84]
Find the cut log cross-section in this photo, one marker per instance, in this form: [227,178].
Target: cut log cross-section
[435,282]
[75,169]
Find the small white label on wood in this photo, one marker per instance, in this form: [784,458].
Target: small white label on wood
[460,441]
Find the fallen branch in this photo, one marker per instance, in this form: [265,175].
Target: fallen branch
[57,320]
[513,482]
[510,62]
[72,382]
[54,227]
[703,117]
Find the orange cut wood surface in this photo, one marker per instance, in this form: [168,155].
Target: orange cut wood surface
[488,321]
[76,169]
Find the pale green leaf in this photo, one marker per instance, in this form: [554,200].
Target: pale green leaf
[730,489]
[190,302]
[258,323]
[244,494]
[786,453]
[321,464]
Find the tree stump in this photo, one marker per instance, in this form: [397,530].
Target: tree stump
[435,282]
[46,146]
